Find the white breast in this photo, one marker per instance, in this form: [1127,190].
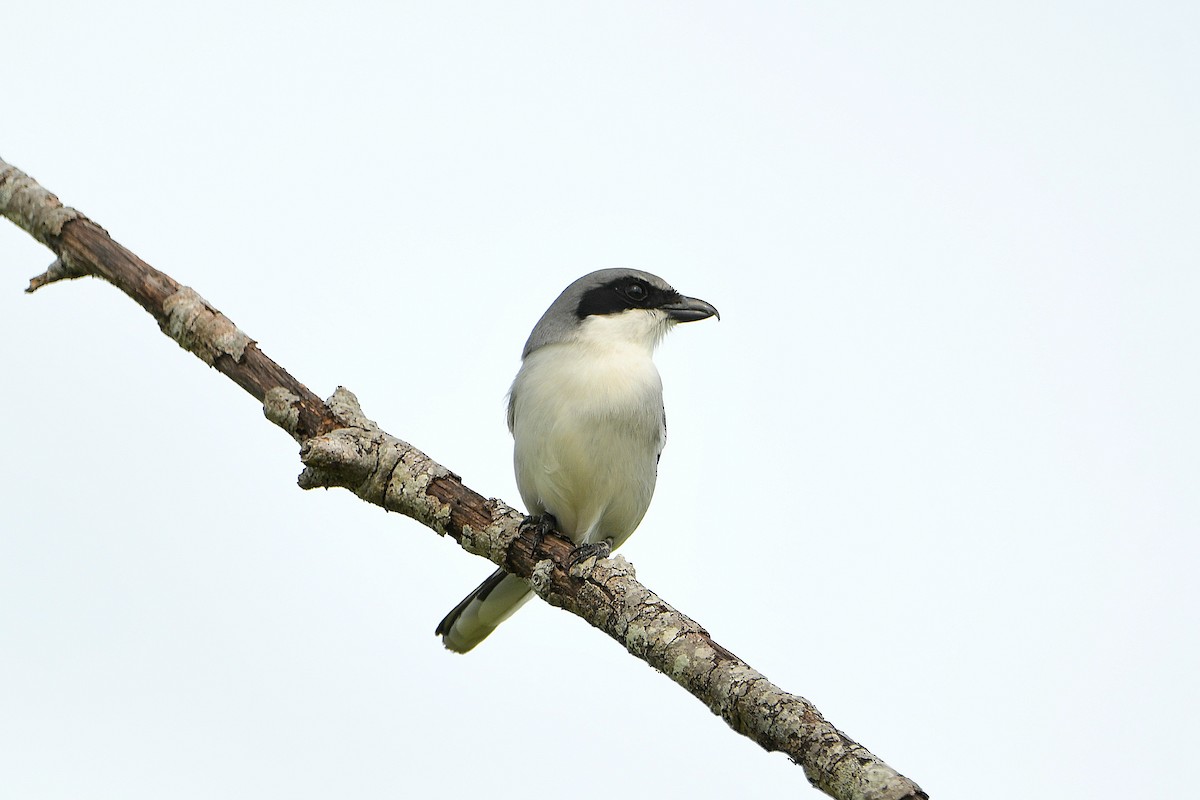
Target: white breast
[587,421]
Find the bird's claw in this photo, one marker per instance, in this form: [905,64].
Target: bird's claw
[540,527]
[585,556]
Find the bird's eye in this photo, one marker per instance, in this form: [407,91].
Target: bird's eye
[636,292]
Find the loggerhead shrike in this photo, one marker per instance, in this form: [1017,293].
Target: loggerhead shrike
[586,415]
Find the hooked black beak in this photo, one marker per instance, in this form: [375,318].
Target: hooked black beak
[690,309]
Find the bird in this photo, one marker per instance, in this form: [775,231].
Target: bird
[588,424]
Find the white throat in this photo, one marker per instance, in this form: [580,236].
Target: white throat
[636,327]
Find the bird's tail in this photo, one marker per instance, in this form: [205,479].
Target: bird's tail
[470,622]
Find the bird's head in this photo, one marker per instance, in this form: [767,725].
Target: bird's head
[626,306]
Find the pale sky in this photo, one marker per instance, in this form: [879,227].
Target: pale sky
[935,469]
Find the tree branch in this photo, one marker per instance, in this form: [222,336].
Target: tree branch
[341,447]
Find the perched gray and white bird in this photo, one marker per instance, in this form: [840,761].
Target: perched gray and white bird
[586,415]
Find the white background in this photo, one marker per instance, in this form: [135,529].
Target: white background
[935,469]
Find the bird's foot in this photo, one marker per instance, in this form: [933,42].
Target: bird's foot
[584,557]
[540,527]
